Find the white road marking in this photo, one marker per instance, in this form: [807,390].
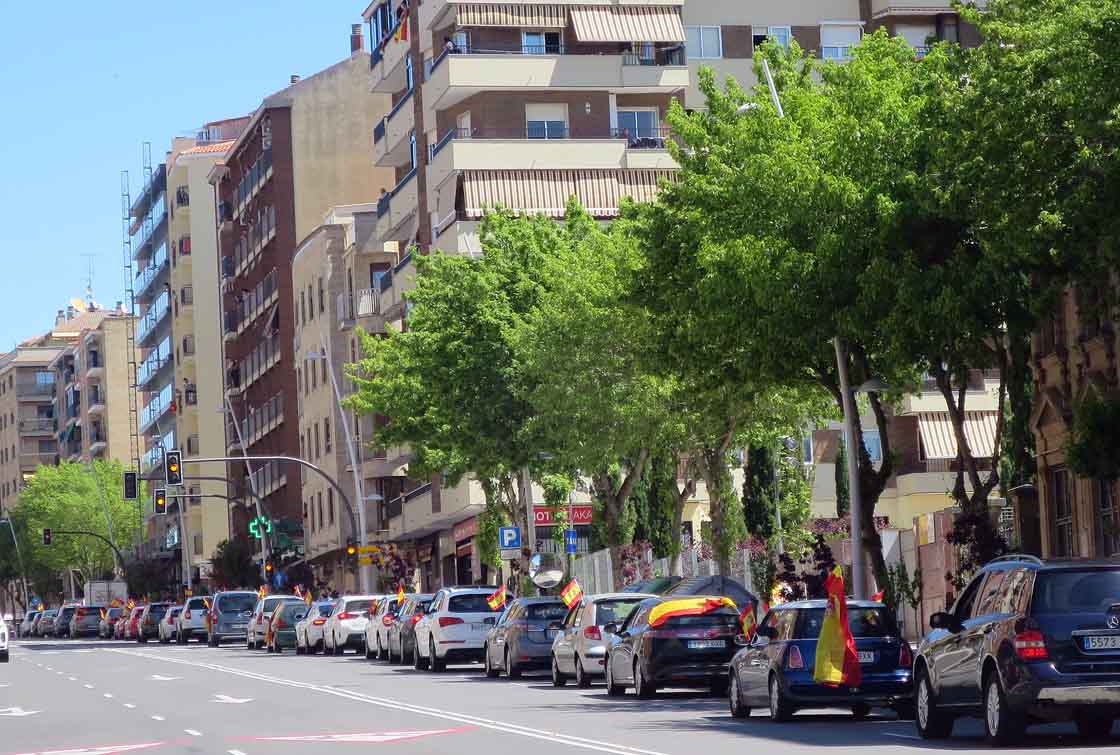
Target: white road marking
[108,695]
[158,718]
[73,678]
[17,712]
[235,752]
[110,750]
[231,700]
[901,736]
[88,686]
[129,705]
[371,738]
[464,718]
[193,733]
[158,678]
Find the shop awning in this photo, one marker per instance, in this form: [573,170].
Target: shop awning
[611,23]
[511,14]
[939,441]
[547,192]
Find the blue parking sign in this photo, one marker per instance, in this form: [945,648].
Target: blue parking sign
[570,540]
[509,537]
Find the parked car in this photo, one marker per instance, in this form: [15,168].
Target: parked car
[454,628]
[580,647]
[776,670]
[4,637]
[309,631]
[684,651]
[522,637]
[1027,641]
[377,629]
[27,624]
[85,621]
[282,629]
[228,617]
[257,632]
[120,629]
[132,625]
[346,627]
[191,621]
[147,626]
[45,626]
[106,624]
[165,630]
[402,634]
[61,626]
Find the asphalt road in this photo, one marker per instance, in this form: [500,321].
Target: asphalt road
[99,698]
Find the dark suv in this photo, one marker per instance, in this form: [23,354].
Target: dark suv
[1028,641]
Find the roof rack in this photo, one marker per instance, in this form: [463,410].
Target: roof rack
[1017,557]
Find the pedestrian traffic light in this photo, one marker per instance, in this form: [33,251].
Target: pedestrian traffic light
[131,486]
[47,535]
[161,501]
[174,468]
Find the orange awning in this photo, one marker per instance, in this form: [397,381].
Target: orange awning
[626,23]
[511,14]
[939,441]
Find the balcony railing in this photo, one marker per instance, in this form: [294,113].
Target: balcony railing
[155,316]
[38,425]
[34,389]
[379,131]
[383,203]
[670,56]
[639,138]
[156,267]
[368,302]
[156,361]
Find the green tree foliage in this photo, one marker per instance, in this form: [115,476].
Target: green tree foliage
[1092,449]
[233,564]
[758,492]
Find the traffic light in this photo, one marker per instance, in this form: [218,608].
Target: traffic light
[351,549]
[268,567]
[131,486]
[161,501]
[47,535]
[174,468]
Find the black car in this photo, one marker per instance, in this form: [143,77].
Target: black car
[1028,641]
[684,651]
[402,635]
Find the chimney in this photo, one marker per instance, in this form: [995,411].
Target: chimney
[120,307]
[357,44]
[294,78]
[60,318]
[70,312]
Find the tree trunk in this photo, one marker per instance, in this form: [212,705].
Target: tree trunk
[680,497]
[717,476]
[614,504]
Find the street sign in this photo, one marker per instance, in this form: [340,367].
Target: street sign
[570,541]
[509,538]
[545,516]
[369,549]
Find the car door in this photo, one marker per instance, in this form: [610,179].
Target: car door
[424,626]
[965,681]
[564,647]
[498,641]
[755,663]
[627,645]
[949,651]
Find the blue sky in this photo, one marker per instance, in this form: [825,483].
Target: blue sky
[85,84]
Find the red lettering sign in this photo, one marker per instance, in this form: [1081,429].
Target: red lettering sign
[545,516]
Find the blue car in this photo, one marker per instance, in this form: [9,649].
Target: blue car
[776,670]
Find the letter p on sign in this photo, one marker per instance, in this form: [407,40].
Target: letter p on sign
[509,537]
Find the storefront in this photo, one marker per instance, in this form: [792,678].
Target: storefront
[466,558]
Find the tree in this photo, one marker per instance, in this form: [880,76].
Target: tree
[758,492]
[233,565]
[843,497]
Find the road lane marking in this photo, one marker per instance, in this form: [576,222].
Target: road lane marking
[158,718]
[464,718]
[231,700]
[88,686]
[158,678]
[108,750]
[193,733]
[129,705]
[73,678]
[235,752]
[17,712]
[901,736]
[108,696]
[370,738]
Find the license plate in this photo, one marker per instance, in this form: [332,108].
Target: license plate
[1102,642]
[479,627]
[705,644]
[239,626]
[866,656]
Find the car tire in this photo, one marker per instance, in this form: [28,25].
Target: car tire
[4,657]
[643,689]
[735,698]
[558,679]
[513,671]
[418,663]
[370,655]
[613,690]
[860,711]
[931,722]
[1094,727]
[780,708]
[277,647]
[487,667]
[718,687]
[299,649]
[583,680]
[435,663]
[212,641]
[380,654]
[1002,726]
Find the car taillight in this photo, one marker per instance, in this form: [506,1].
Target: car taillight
[592,633]
[319,622]
[415,618]
[345,615]
[280,624]
[186,614]
[794,659]
[905,657]
[387,620]
[1031,646]
[447,621]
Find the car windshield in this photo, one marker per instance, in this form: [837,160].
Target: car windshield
[325,609]
[546,612]
[236,603]
[863,622]
[470,604]
[391,606]
[358,606]
[294,611]
[157,610]
[607,611]
[1076,591]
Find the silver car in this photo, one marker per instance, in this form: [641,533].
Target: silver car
[522,638]
[191,621]
[228,618]
[580,647]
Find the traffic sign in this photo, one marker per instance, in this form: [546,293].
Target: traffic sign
[509,538]
[570,540]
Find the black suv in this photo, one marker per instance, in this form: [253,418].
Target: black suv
[1028,641]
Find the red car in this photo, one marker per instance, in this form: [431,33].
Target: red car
[131,629]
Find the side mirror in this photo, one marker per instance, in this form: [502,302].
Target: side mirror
[946,621]
[741,640]
[611,628]
[557,626]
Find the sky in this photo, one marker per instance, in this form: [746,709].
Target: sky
[86,84]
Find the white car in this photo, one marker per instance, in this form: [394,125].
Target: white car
[4,637]
[346,628]
[257,631]
[454,629]
[377,630]
[166,629]
[309,630]
[192,620]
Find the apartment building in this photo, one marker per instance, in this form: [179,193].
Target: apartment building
[921,21]
[304,151]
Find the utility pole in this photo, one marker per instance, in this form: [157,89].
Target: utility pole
[266,546]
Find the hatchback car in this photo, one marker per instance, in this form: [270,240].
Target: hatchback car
[85,621]
[309,630]
[45,625]
[61,626]
[377,630]
[132,624]
[402,634]
[282,625]
[522,637]
[147,626]
[776,669]
[165,631]
[1028,641]
[455,627]
[107,622]
[580,647]
[346,628]
[191,621]
[228,617]
[28,623]
[257,635]
[683,651]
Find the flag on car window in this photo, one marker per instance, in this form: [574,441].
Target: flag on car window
[749,621]
[262,592]
[837,661]
[131,604]
[104,614]
[572,594]
[669,609]
[400,593]
[878,597]
[498,599]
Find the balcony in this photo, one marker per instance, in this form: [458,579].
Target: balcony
[388,67]
[33,459]
[151,229]
[155,272]
[456,76]
[159,406]
[96,401]
[95,367]
[395,145]
[154,318]
[883,8]
[38,426]
[154,365]
[98,442]
[255,178]
[398,205]
[35,391]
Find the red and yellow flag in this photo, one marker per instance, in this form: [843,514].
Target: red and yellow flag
[878,597]
[262,592]
[131,604]
[669,609]
[572,593]
[400,593]
[402,28]
[837,661]
[104,614]
[749,621]
[498,599]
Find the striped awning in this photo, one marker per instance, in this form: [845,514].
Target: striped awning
[511,14]
[546,192]
[625,23]
[939,441]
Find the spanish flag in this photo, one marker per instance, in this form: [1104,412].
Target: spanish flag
[131,604]
[837,661]
[401,34]
[104,614]
[674,607]
[498,599]
[878,597]
[261,593]
[400,593]
[571,594]
[749,621]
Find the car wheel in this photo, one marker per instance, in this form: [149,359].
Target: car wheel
[642,687]
[513,671]
[299,649]
[932,723]
[861,711]
[583,681]
[780,708]
[1092,726]
[180,639]
[735,698]
[1003,727]
[491,672]
[418,663]
[380,654]
[4,657]
[277,647]
[212,641]
[435,663]
[558,679]
[370,654]
[613,690]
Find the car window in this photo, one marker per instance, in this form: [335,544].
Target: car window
[990,595]
[422,606]
[963,608]
[547,612]
[614,610]
[863,622]
[271,603]
[1013,595]
[470,603]
[157,610]
[292,610]
[196,604]
[724,617]
[1076,591]
[358,606]
[636,618]
[236,603]
[573,615]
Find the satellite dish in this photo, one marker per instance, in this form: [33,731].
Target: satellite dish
[546,570]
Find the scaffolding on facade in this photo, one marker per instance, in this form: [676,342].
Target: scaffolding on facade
[130,327]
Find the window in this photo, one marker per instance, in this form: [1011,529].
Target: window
[186,295]
[837,40]
[541,43]
[1108,538]
[410,77]
[963,608]
[988,599]
[949,31]
[323,370]
[807,449]
[916,35]
[302,446]
[310,303]
[1015,593]
[330,505]
[780,34]
[1060,514]
[316,440]
[319,499]
[703,42]
[412,149]
[638,123]
[302,308]
[322,298]
[314,376]
[461,39]
[327,434]
[546,121]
